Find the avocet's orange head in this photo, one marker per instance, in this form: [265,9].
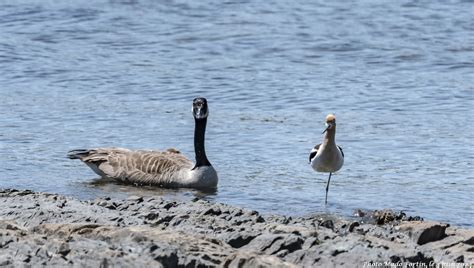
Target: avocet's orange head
[330,118]
[330,122]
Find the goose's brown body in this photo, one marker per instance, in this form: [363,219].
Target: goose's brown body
[163,168]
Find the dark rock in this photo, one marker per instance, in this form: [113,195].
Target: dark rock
[165,219]
[337,252]
[359,213]
[310,242]
[414,218]
[169,205]
[271,244]
[420,258]
[153,247]
[213,211]
[167,258]
[152,216]
[328,224]
[459,259]
[292,243]
[238,240]
[395,259]
[353,225]
[111,206]
[383,217]
[64,249]
[424,232]
[282,253]
[25,192]
[469,241]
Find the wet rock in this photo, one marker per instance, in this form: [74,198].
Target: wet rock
[64,249]
[169,205]
[420,258]
[424,232]
[5,261]
[271,244]
[310,242]
[328,224]
[469,241]
[359,213]
[459,259]
[152,216]
[384,216]
[245,260]
[136,199]
[353,225]
[164,220]
[10,225]
[112,206]
[151,232]
[297,230]
[238,240]
[212,211]
[167,258]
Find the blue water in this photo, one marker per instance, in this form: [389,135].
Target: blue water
[399,75]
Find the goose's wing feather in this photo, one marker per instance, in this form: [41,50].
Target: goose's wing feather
[143,166]
[313,152]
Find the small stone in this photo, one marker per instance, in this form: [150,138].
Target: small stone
[359,213]
[111,206]
[102,203]
[153,248]
[213,212]
[328,224]
[135,198]
[169,205]
[459,259]
[151,216]
[64,249]
[238,240]
[353,225]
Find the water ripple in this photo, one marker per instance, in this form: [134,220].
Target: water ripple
[122,73]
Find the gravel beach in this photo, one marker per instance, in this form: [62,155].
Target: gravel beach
[39,229]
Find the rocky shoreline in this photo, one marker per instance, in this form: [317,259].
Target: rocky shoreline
[47,229]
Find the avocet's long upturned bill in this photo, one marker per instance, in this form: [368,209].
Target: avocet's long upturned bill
[327,156]
[167,169]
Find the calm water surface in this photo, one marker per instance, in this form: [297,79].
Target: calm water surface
[399,75]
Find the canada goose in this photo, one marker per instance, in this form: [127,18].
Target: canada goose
[327,156]
[167,169]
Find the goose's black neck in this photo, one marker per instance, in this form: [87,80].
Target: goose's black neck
[199,133]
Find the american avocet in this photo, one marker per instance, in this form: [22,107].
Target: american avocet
[327,156]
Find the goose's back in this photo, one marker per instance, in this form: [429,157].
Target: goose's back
[139,166]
